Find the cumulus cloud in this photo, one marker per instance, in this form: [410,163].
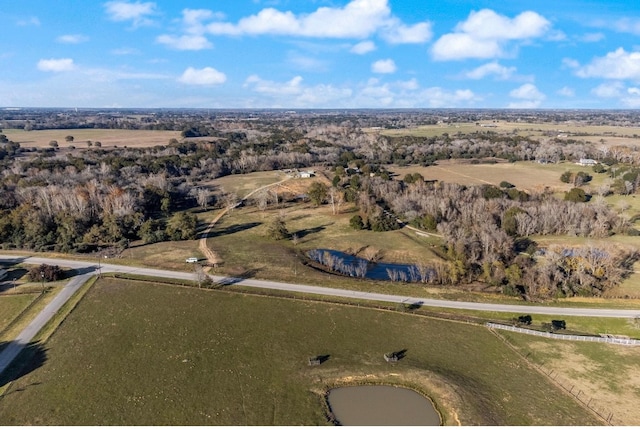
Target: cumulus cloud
[26,22]
[528,97]
[72,38]
[185,43]
[608,90]
[485,34]
[363,47]
[491,69]
[618,64]
[136,12]
[384,66]
[205,76]
[56,65]
[357,19]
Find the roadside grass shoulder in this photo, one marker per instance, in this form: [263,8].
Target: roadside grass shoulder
[140,354]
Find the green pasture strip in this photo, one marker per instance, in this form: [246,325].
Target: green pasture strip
[133,353]
[12,306]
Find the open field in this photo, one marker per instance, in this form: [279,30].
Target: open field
[607,374]
[134,353]
[11,306]
[601,135]
[525,175]
[108,137]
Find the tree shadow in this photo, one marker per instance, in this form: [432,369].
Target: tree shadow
[230,230]
[307,231]
[231,280]
[414,306]
[32,356]
[12,276]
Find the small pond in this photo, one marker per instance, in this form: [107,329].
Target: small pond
[381,405]
[350,265]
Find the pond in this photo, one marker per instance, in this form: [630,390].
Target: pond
[381,405]
[350,265]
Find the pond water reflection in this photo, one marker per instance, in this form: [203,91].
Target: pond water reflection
[381,405]
[350,265]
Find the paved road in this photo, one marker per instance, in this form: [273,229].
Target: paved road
[310,289]
[88,268]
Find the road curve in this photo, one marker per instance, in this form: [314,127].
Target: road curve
[336,292]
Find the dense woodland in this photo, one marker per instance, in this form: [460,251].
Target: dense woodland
[86,199]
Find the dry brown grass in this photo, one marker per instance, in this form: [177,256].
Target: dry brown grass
[608,135]
[107,137]
[607,374]
[525,175]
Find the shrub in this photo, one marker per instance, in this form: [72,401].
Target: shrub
[45,272]
[356,222]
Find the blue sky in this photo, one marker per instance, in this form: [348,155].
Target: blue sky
[575,54]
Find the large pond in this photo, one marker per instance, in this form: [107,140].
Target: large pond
[359,267]
[381,405]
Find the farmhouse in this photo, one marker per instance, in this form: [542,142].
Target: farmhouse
[587,162]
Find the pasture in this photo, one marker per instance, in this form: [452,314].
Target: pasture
[607,374]
[606,135]
[107,137]
[138,353]
[525,175]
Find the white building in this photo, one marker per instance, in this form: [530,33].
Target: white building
[587,162]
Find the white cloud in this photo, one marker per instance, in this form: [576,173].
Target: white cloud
[608,90]
[185,42]
[56,65]
[205,76]
[486,24]
[457,46]
[72,38]
[363,47]
[566,92]
[592,37]
[26,22]
[292,87]
[528,96]
[136,12]
[397,32]
[618,64]
[500,72]
[384,66]
[628,25]
[485,34]
[357,19]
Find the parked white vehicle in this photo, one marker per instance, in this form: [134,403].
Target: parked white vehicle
[192,260]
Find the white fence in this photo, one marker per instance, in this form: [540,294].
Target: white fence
[608,339]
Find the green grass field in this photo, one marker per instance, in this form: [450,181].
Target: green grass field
[11,306]
[134,353]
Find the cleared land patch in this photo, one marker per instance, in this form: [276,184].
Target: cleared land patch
[525,175]
[135,353]
[107,137]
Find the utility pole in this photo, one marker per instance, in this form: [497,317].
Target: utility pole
[42,278]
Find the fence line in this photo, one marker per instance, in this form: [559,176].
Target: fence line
[599,339]
[566,384]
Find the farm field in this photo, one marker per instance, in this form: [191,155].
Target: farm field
[183,356]
[607,135]
[525,175]
[107,137]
